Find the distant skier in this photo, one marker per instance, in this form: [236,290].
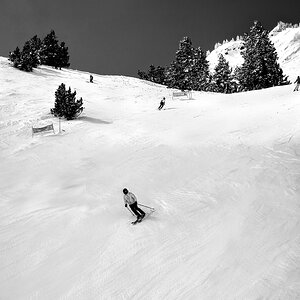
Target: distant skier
[298,83]
[162,103]
[131,200]
[91,79]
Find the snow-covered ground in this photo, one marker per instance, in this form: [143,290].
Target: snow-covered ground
[222,171]
[286,40]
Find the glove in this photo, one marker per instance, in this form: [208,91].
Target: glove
[125,205]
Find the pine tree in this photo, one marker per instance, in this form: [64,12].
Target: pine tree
[36,52]
[171,76]
[222,78]
[154,74]
[27,60]
[50,50]
[199,71]
[24,60]
[143,75]
[30,52]
[15,57]
[189,70]
[54,54]
[59,105]
[66,104]
[35,44]
[160,75]
[63,56]
[260,68]
[180,69]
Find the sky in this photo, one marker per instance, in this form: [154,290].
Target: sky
[120,37]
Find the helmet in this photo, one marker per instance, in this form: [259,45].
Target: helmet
[125,191]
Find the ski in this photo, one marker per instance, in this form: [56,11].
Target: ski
[134,222]
[140,220]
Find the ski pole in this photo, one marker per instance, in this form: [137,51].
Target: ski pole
[130,211]
[146,206]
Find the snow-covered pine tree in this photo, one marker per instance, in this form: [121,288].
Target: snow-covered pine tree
[28,59]
[222,78]
[152,73]
[156,74]
[50,50]
[199,71]
[36,52]
[66,104]
[35,44]
[189,70]
[260,68]
[73,107]
[160,75]
[15,57]
[143,75]
[63,56]
[59,104]
[179,73]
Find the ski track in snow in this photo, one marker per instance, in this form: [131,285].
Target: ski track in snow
[222,171]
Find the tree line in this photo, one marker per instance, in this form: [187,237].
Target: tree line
[51,52]
[190,68]
[48,51]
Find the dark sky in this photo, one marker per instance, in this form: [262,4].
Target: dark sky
[122,36]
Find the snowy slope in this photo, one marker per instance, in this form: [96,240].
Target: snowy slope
[222,172]
[231,51]
[286,40]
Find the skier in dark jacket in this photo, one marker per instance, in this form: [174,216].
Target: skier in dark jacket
[298,83]
[130,199]
[162,103]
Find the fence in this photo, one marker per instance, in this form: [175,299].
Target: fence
[181,94]
[43,129]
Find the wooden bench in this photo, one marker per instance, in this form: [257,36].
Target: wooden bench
[181,94]
[43,129]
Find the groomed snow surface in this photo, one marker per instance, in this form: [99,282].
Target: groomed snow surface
[222,171]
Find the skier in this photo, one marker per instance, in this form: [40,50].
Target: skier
[91,79]
[130,199]
[298,83]
[162,103]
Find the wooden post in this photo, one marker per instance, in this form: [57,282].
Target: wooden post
[59,124]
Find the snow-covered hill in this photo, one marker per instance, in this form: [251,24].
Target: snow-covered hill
[222,172]
[286,39]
